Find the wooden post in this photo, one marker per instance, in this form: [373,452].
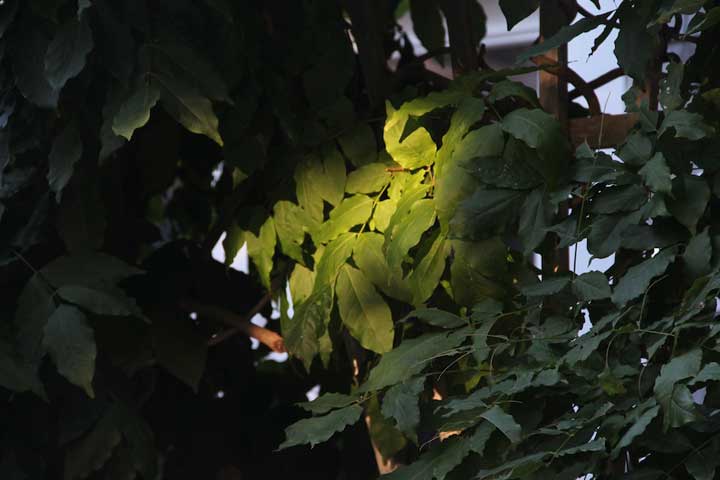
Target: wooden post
[554,14]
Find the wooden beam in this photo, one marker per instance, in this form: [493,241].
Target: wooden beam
[602,131]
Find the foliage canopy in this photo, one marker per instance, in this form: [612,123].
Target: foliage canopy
[403,211]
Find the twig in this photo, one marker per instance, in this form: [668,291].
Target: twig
[239,323]
[572,77]
[606,77]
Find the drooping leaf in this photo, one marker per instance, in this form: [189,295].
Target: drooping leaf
[697,255]
[701,22]
[65,57]
[291,224]
[591,286]
[181,60]
[676,400]
[656,174]
[637,279]
[638,427]
[98,301]
[437,317]
[94,450]
[636,150]
[624,198]
[135,110]
[407,232]
[416,149]
[548,286]
[401,404]
[409,358]
[478,270]
[71,344]
[66,150]
[669,93]
[517,10]
[352,211]
[29,69]
[435,463]
[359,145]
[82,218]
[7,15]
[191,109]
[563,36]
[686,125]
[541,131]
[15,375]
[607,231]
[503,422]
[89,269]
[691,195]
[369,257]
[327,402]
[535,218]
[469,112]
[363,310]
[703,463]
[333,257]
[179,348]
[485,211]
[453,181]
[426,276]
[307,325]
[428,23]
[509,88]
[369,178]
[261,249]
[319,429]
[635,44]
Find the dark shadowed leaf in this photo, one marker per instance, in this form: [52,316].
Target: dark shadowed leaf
[65,57]
[71,344]
[637,279]
[410,357]
[66,151]
[319,429]
[401,404]
[591,286]
[428,23]
[134,112]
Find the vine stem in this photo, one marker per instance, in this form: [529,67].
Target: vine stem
[240,324]
[372,209]
[36,272]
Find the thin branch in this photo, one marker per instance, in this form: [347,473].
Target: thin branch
[604,21]
[238,323]
[572,77]
[599,81]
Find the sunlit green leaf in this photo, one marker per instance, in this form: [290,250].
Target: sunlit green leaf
[363,310]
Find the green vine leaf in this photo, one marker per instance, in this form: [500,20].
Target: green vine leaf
[65,57]
[409,358]
[71,344]
[401,404]
[363,310]
[134,112]
[319,429]
[66,151]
